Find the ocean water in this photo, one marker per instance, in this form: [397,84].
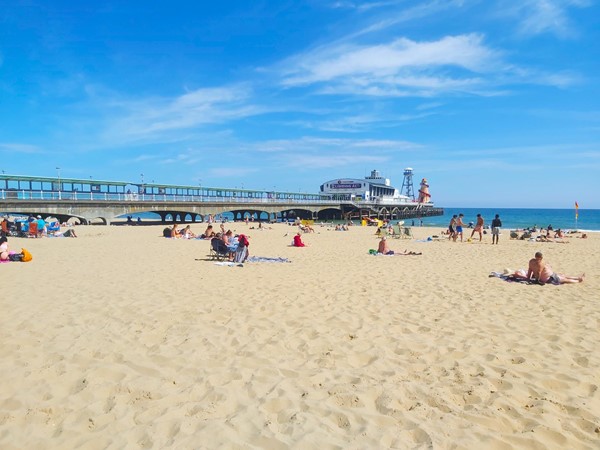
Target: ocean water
[588,220]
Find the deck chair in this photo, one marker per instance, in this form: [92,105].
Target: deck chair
[33,229]
[407,233]
[218,250]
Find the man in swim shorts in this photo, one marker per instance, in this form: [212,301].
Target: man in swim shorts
[478,227]
[496,224]
[459,226]
[542,272]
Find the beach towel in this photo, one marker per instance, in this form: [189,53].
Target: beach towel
[228,264]
[241,254]
[511,278]
[259,259]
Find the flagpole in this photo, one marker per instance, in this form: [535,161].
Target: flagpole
[576,215]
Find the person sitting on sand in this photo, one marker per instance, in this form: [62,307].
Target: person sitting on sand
[208,233]
[230,242]
[383,249]
[3,248]
[298,241]
[175,232]
[543,273]
[6,255]
[187,233]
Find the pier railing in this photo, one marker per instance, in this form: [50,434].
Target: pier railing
[134,197]
[74,196]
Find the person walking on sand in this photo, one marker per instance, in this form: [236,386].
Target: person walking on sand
[543,273]
[478,227]
[459,226]
[496,224]
[452,228]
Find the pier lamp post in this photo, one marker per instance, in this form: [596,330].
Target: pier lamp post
[200,184]
[58,176]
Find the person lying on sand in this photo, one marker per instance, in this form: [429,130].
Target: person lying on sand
[384,249]
[541,271]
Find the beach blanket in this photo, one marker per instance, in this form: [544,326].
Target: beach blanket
[511,278]
[264,259]
[228,264]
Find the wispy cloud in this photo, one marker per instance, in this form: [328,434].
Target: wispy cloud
[400,67]
[311,152]
[359,123]
[311,144]
[159,118]
[543,16]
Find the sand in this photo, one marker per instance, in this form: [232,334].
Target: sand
[124,339]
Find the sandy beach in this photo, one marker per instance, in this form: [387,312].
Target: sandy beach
[124,339]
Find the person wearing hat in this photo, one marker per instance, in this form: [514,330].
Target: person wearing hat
[41,223]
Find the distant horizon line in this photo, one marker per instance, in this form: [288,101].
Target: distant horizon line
[512,207]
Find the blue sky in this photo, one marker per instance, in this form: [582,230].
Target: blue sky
[495,102]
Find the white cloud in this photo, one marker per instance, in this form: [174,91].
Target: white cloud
[358,123]
[543,16]
[328,63]
[399,68]
[335,161]
[159,118]
[311,152]
[309,145]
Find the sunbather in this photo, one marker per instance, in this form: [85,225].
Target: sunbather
[383,249]
[175,232]
[208,233]
[187,233]
[542,272]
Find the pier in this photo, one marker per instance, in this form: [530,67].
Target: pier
[104,202]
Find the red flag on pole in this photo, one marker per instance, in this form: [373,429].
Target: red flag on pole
[576,210]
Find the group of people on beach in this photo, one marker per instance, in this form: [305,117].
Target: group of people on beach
[456,225]
[34,227]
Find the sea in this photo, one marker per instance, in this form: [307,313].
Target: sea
[512,218]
